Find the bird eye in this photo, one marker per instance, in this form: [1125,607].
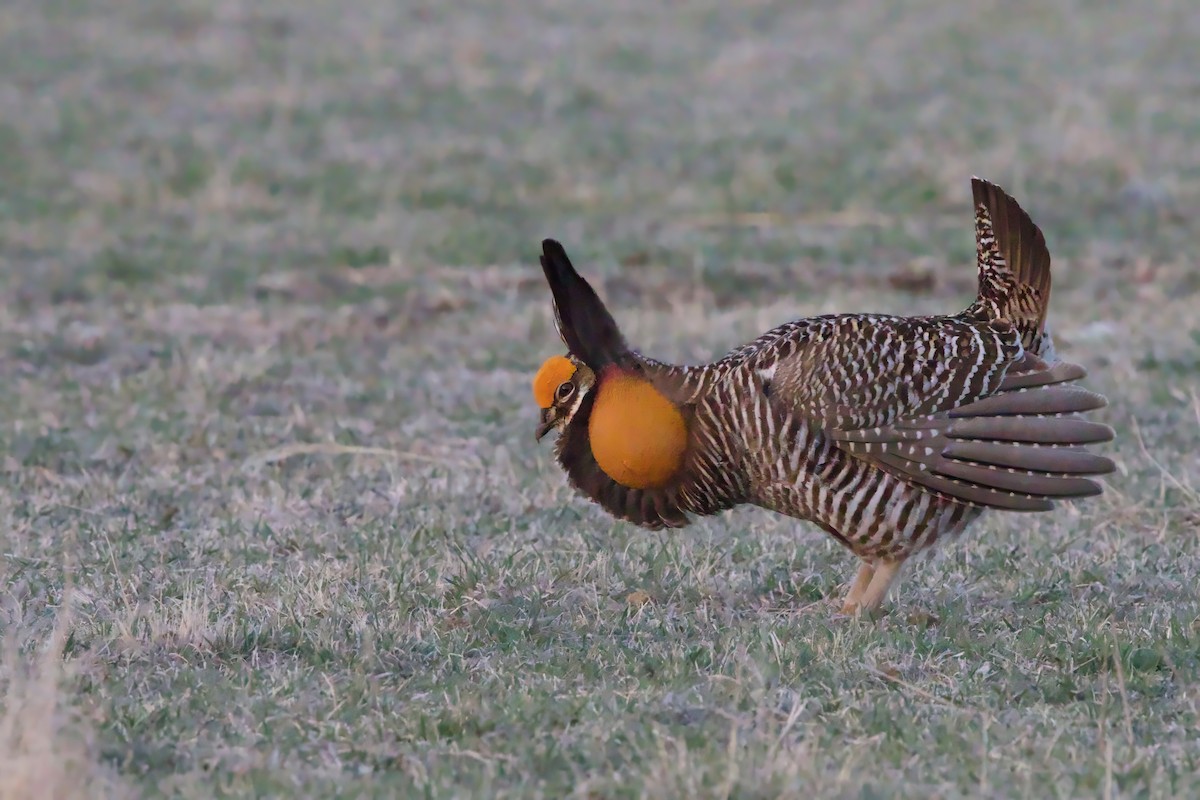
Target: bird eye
[565,390]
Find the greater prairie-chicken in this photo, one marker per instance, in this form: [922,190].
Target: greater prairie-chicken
[890,433]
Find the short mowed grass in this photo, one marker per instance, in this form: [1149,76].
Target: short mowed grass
[272,519]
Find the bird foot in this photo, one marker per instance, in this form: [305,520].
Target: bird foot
[852,610]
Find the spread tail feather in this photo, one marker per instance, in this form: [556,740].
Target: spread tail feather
[586,327]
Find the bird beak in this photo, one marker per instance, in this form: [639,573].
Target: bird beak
[546,424]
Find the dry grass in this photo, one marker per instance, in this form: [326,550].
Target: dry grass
[47,748]
[264,392]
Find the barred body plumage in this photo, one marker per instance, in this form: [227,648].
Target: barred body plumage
[890,433]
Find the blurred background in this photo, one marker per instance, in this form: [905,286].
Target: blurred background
[197,149]
[271,309]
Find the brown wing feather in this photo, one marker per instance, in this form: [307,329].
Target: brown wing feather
[1015,444]
[949,405]
[853,372]
[1016,449]
[961,491]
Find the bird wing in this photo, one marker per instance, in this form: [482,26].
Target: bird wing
[954,406]
[864,371]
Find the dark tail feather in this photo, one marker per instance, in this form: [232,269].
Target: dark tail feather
[586,327]
[1014,265]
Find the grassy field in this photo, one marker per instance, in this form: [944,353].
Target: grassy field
[272,520]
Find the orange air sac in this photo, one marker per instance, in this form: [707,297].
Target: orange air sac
[638,436]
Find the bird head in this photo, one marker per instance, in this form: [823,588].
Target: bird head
[560,387]
[637,436]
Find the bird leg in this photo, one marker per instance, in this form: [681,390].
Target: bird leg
[886,573]
[861,581]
